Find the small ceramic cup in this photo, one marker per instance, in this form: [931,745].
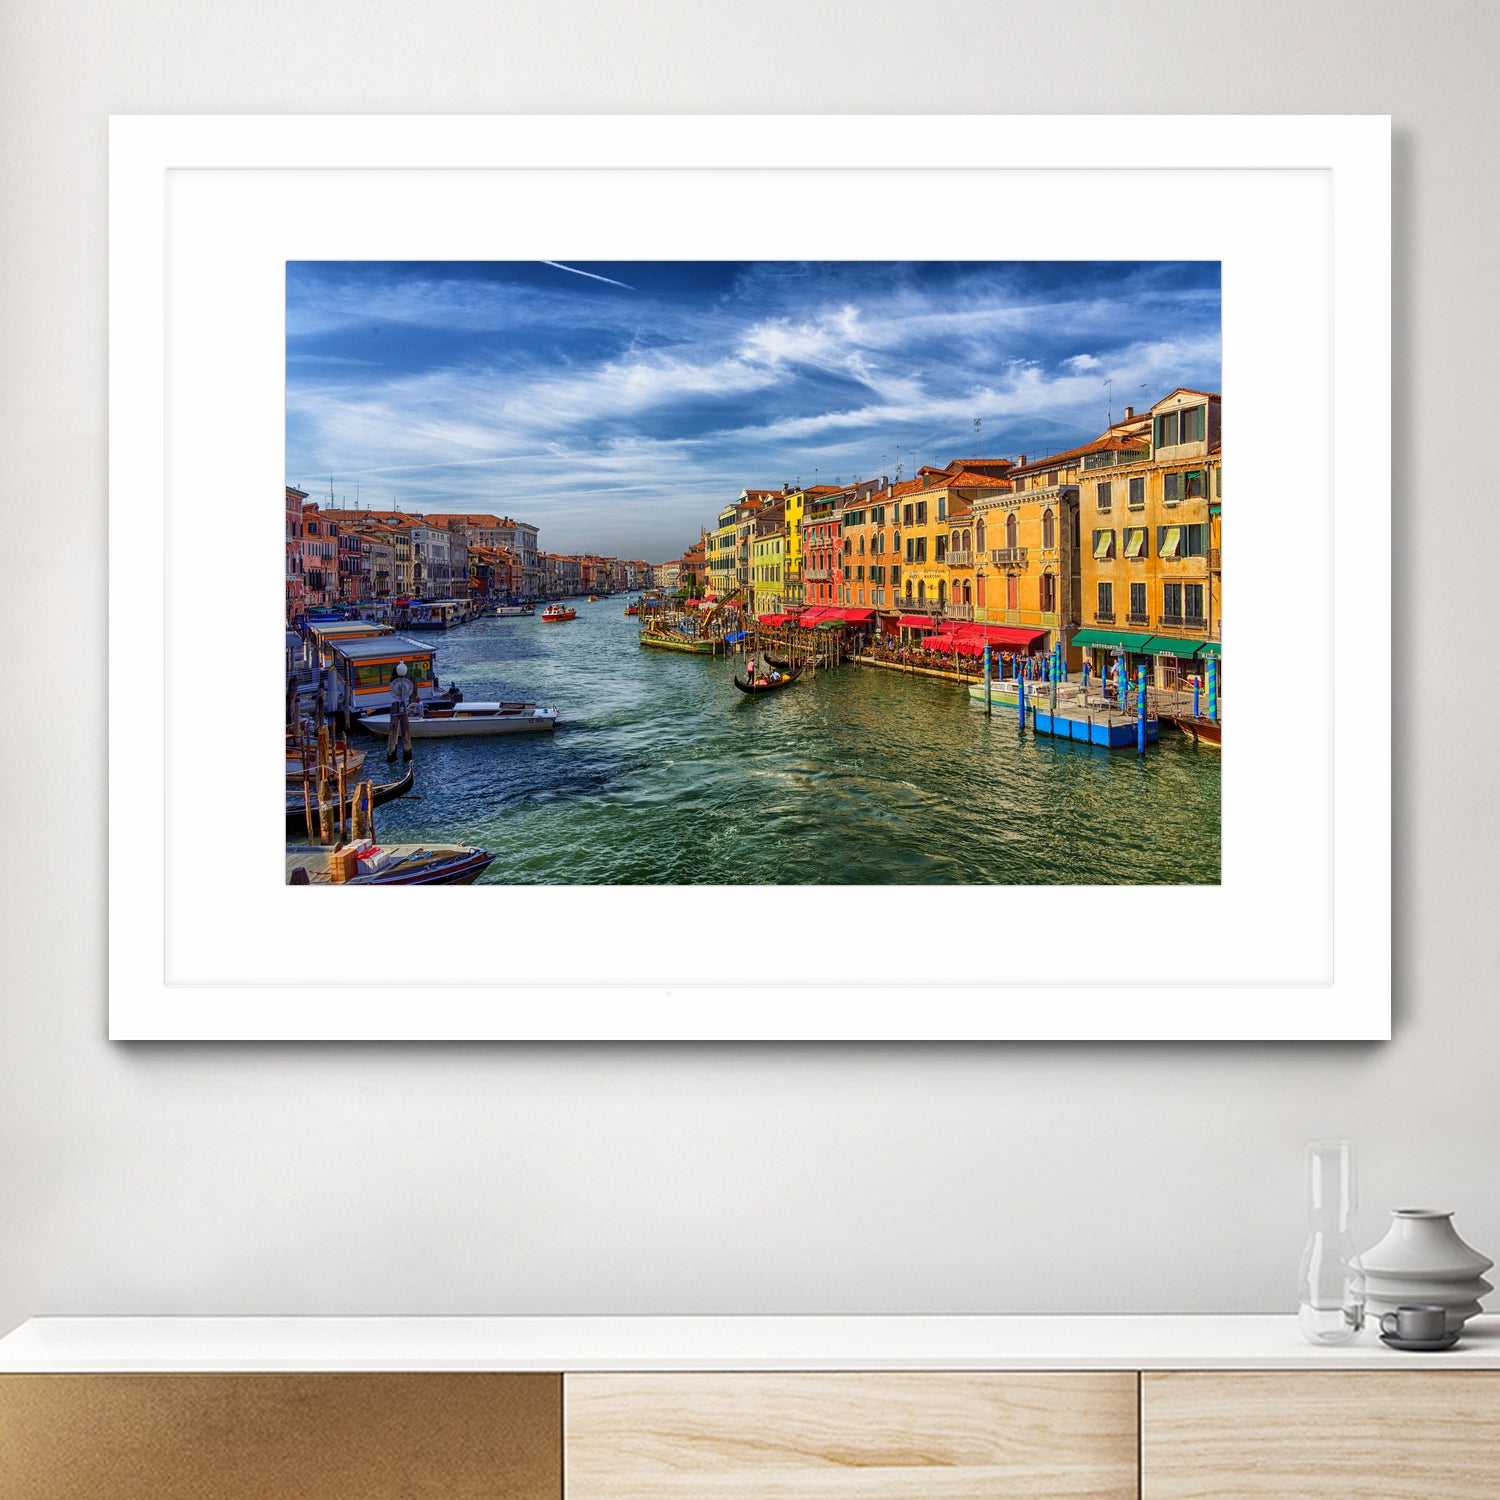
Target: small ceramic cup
[1425,1322]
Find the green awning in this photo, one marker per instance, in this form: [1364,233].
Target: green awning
[1129,640]
[1209,648]
[1172,645]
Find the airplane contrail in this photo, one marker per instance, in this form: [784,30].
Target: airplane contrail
[558,266]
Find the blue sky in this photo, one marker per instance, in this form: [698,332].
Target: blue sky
[619,405]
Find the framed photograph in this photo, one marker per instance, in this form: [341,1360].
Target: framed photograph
[750,578]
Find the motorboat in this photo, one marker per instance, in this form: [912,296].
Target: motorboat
[555,614]
[386,864]
[440,720]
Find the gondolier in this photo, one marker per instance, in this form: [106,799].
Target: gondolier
[403,692]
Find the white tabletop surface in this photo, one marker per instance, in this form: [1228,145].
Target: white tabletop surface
[50,1345]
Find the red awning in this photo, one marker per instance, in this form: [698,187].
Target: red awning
[773,620]
[918,622]
[856,616]
[1002,635]
[941,643]
[815,613]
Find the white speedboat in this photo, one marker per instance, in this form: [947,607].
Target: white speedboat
[446,720]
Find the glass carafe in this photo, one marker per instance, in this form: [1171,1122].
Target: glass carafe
[1331,1284]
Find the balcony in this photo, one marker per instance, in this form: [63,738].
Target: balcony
[1183,622]
[960,557]
[817,575]
[953,611]
[1103,618]
[1133,619]
[1009,557]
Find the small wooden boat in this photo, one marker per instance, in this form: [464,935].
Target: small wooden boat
[395,864]
[350,759]
[555,614]
[593,598]
[632,609]
[1203,731]
[766,685]
[511,611]
[296,809]
[442,721]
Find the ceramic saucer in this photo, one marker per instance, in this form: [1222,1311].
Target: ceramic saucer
[1420,1346]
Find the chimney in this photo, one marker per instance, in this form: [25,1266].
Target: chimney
[1021,462]
[1129,412]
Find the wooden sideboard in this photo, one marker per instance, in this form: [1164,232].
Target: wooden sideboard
[738,1409]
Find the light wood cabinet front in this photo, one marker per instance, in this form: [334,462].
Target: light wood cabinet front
[928,1435]
[281,1437]
[1321,1435]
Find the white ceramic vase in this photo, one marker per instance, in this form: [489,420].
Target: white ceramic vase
[1422,1260]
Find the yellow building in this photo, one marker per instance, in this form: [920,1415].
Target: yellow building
[796,507]
[768,564]
[720,553]
[1151,585]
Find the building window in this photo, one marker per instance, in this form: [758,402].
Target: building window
[1010,531]
[1049,529]
[1137,603]
[1189,425]
[1106,609]
[921,512]
[1192,603]
[1135,541]
[979,591]
[1137,493]
[908,515]
[1171,604]
[1185,486]
[940,548]
[1219,482]
[1104,494]
[1049,593]
[942,508]
[1052,478]
[1012,591]
[1104,546]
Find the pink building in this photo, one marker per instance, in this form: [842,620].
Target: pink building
[294,600]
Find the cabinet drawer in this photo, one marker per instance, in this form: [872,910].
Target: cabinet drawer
[933,1435]
[281,1437]
[1321,1435]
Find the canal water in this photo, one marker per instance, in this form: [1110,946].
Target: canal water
[661,772]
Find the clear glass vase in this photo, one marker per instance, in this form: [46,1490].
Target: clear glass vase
[1331,1283]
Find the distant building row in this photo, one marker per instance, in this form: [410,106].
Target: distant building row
[338,557]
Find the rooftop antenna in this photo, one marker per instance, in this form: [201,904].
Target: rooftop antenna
[977,425]
[1144,402]
[1109,385]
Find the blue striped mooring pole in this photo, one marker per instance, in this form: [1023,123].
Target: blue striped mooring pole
[1021,702]
[1140,710]
[1195,697]
[1213,688]
[987,681]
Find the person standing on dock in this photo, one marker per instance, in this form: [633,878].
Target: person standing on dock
[403,692]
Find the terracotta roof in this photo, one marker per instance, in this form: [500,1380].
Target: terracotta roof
[975,481]
[1187,390]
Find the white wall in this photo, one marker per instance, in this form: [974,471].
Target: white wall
[300,1179]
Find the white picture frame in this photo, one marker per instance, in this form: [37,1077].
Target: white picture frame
[206,941]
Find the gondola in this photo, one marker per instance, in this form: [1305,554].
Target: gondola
[770,687]
[296,811]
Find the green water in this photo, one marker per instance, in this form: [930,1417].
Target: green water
[660,772]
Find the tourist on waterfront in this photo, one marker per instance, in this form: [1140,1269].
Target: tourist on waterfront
[403,694]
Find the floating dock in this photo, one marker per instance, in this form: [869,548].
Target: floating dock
[1077,718]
